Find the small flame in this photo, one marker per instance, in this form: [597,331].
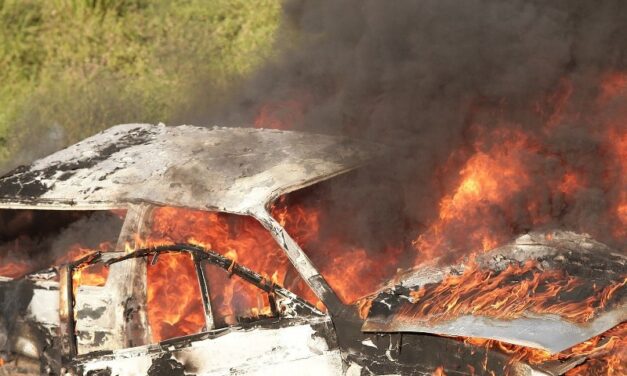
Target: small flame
[280,115]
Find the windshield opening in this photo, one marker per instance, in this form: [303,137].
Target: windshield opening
[353,241]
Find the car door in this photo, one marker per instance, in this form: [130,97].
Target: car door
[244,329]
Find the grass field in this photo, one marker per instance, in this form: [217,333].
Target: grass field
[69,68]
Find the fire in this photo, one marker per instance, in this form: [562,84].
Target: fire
[619,150]
[439,372]
[86,275]
[93,275]
[245,241]
[352,271]
[489,179]
[14,269]
[77,252]
[240,238]
[173,297]
[499,187]
[21,261]
[280,115]
[511,293]
[507,179]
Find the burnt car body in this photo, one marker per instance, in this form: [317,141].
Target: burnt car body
[60,328]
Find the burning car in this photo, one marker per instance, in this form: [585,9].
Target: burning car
[128,288]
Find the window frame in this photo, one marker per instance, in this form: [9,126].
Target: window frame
[198,255]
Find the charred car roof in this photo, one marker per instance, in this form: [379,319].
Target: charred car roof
[223,169]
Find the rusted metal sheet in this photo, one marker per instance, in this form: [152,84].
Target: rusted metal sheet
[224,169]
[394,309]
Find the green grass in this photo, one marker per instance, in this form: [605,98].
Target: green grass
[69,68]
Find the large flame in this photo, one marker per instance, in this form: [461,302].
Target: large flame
[475,214]
[171,297]
[506,181]
[498,191]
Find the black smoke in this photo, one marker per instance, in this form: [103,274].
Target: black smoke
[417,75]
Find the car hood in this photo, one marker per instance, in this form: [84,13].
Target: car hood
[593,276]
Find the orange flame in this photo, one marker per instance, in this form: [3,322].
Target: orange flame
[280,115]
[488,179]
[173,297]
[511,293]
[14,269]
[240,238]
[86,275]
[351,271]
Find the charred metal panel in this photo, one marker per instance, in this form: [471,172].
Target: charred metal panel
[44,306]
[225,169]
[393,309]
[132,316]
[259,349]
[95,320]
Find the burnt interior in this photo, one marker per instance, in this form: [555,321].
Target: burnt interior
[41,238]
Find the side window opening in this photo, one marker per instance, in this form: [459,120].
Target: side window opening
[32,240]
[174,300]
[240,238]
[171,295]
[235,301]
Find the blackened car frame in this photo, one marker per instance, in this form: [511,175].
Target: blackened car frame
[102,330]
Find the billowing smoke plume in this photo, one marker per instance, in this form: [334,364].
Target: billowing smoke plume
[534,88]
